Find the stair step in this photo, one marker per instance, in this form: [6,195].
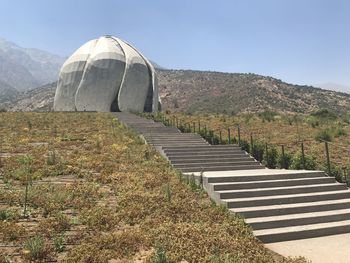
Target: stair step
[272,183]
[298,219]
[206,160]
[279,191]
[297,208]
[202,151]
[208,153]
[211,156]
[222,168]
[266,175]
[286,199]
[303,232]
[216,164]
[204,147]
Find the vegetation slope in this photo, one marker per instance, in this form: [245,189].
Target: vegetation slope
[80,187]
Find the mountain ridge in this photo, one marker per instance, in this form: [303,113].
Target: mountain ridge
[27,68]
[194,91]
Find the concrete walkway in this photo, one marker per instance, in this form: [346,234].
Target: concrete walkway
[330,249]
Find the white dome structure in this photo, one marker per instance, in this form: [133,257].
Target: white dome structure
[107,74]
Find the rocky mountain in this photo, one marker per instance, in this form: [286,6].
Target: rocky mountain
[7,93]
[27,68]
[201,91]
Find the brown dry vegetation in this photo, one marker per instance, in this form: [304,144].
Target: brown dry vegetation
[96,192]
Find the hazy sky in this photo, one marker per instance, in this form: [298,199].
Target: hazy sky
[299,41]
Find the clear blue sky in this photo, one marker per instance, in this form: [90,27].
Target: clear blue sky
[299,41]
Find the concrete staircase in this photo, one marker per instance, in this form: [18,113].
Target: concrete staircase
[279,205]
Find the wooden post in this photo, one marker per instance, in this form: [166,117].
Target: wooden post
[328,159]
[302,155]
[194,127]
[239,135]
[220,137]
[251,143]
[229,135]
[284,165]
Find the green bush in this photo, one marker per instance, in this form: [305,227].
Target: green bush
[245,146]
[159,256]
[58,242]
[297,162]
[323,135]
[270,158]
[35,247]
[324,114]
[339,131]
[268,115]
[258,151]
[284,162]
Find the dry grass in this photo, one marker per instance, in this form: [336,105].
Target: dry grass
[93,181]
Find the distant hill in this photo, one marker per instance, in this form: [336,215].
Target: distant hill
[201,91]
[27,68]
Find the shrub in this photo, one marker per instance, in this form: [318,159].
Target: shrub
[324,114]
[58,242]
[339,131]
[245,146]
[268,115]
[297,162]
[159,256]
[270,158]
[258,151]
[5,215]
[35,248]
[323,135]
[284,162]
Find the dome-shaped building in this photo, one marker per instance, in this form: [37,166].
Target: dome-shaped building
[107,74]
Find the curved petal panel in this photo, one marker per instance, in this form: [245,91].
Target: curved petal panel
[102,77]
[134,88]
[70,77]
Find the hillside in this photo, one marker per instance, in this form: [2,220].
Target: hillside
[98,193]
[27,68]
[200,91]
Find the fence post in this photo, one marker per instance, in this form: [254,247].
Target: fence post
[220,137]
[251,143]
[229,135]
[267,153]
[177,122]
[284,165]
[194,127]
[212,137]
[303,155]
[199,126]
[239,135]
[328,159]
[205,130]
[345,175]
